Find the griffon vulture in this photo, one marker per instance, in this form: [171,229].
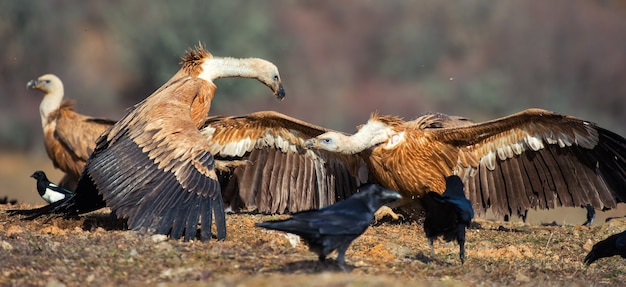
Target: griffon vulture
[69,137]
[153,166]
[532,159]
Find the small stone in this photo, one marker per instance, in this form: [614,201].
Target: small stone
[55,283]
[6,246]
[164,246]
[588,245]
[294,240]
[158,238]
[519,277]
[90,278]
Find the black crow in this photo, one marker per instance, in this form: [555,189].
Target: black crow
[49,191]
[448,214]
[613,245]
[336,226]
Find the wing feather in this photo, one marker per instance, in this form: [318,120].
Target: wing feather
[70,138]
[79,132]
[538,158]
[283,176]
[153,168]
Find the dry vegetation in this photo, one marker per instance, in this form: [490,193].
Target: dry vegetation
[92,250]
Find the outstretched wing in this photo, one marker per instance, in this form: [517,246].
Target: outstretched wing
[153,166]
[538,159]
[280,175]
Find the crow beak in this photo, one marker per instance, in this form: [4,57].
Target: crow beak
[391,195]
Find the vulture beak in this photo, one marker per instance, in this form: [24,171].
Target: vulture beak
[31,84]
[280,92]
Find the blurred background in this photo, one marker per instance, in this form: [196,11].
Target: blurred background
[339,60]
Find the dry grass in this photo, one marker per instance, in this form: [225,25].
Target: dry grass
[92,250]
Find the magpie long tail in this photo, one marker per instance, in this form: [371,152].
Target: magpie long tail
[62,207]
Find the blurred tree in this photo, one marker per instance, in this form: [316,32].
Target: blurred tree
[340,60]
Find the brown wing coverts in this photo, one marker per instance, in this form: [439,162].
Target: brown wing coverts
[282,176]
[153,167]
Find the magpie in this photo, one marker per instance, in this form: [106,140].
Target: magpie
[334,227]
[49,191]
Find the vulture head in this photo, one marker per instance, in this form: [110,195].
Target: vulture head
[47,83]
[372,133]
[270,77]
[330,141]
[253,68]
[52,87]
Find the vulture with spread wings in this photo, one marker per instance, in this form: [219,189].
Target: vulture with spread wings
[532,159]
[69,137]
[154,167]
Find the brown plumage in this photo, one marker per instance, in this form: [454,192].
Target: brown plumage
[69,137]
[278,174]
[532,159]
[154,167]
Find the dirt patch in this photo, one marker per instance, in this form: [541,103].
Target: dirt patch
[93,250]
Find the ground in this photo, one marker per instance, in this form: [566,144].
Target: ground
[93,250]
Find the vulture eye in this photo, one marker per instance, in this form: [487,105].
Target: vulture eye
[276,78]
[47,81]
[325,141]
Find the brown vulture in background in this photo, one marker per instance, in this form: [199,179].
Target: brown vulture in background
[154,167]
[532,159]
[69,137]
